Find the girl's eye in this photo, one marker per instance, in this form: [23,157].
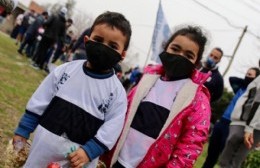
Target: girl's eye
[190,57]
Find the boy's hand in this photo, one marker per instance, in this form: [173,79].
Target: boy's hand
[19,138]
[78,158]
[248,140]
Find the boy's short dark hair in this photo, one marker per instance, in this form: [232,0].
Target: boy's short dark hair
[195,34]
[116,20]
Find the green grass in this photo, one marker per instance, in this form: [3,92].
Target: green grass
[17,83]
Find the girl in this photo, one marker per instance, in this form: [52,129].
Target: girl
[169,112]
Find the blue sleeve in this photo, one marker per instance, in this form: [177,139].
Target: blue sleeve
[230,108]
[27,124]
[94,148]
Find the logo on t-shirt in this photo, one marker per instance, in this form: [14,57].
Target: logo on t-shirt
[63,79]
[105,104]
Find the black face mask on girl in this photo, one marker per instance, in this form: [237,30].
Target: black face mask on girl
[176,66]
[101,56]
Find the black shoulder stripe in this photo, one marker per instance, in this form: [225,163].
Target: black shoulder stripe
[252,112]
[31,113]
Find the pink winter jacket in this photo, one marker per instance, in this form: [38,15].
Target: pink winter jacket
[185,131]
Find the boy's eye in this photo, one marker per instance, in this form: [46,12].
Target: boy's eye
[115,47]
[99,40]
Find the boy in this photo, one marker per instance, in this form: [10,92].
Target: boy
[80,105]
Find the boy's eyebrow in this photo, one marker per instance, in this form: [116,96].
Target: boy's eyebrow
[96,36]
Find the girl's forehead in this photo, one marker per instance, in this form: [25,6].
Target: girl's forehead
[185,42]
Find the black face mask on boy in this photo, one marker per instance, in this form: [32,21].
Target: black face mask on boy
[176,66]
[101,56]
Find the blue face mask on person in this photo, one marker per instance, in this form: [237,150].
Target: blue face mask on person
[210,62]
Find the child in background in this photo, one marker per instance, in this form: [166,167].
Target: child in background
[81,105]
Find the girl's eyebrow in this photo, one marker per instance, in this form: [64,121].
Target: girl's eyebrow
[175,45]
[188,51]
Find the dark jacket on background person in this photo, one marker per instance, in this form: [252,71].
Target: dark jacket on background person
[28,19]
[33,28]
[215,84]
[55,31]
[55,27]
[236,83]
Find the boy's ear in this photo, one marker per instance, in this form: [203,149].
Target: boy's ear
[86,38]
[123,55]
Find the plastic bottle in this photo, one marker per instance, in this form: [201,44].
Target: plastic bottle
[18,145]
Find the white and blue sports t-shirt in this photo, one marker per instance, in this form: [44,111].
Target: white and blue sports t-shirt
[148,121]
[75,105]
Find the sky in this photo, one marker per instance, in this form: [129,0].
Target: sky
[223,20]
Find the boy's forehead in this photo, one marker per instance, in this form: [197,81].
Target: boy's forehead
[104,26]
[108,31]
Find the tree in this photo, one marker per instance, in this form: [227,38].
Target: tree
[132,58]
[70,6]
[218,107]
[82,21]
[52,8]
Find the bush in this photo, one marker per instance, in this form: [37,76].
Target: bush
[252,160]
[218,107]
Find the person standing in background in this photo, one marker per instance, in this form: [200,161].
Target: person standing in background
[54,30]
[244,127]
[215,83]
[31,34]
[221,129]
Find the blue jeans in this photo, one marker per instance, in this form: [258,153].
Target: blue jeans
[29,40]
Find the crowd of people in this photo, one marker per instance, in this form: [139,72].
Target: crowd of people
[159,116]
[44,36]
